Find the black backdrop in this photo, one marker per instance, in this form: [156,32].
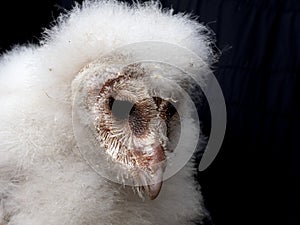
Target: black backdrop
[255,178]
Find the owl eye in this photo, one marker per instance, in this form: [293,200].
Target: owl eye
[166,107]
[120,109]
[171,110]
[157,101]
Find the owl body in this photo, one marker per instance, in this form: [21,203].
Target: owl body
[43,176]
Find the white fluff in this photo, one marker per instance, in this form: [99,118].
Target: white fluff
[42,178]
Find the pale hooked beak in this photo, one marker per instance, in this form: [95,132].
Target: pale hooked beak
[157,168]
[153,189]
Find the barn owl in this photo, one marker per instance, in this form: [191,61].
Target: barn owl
[89,127]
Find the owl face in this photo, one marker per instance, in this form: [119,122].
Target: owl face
[132,125]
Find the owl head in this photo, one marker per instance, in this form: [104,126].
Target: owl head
[133,113]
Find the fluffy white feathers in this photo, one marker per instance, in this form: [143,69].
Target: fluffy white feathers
[43,180]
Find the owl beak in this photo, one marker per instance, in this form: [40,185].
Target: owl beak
[154,189]
[157,166]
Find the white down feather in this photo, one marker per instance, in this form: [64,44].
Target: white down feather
[42,178]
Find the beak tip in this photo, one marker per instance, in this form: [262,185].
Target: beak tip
[153,190]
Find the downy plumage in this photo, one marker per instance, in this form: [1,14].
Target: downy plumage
[43,177]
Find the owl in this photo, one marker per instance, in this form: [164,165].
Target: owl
[98,121]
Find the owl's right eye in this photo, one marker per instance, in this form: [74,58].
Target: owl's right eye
[120,109]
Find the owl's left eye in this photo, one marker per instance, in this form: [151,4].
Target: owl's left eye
[171,110]
[119,108]
[167,108]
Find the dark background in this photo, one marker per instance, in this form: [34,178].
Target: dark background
[255,178]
